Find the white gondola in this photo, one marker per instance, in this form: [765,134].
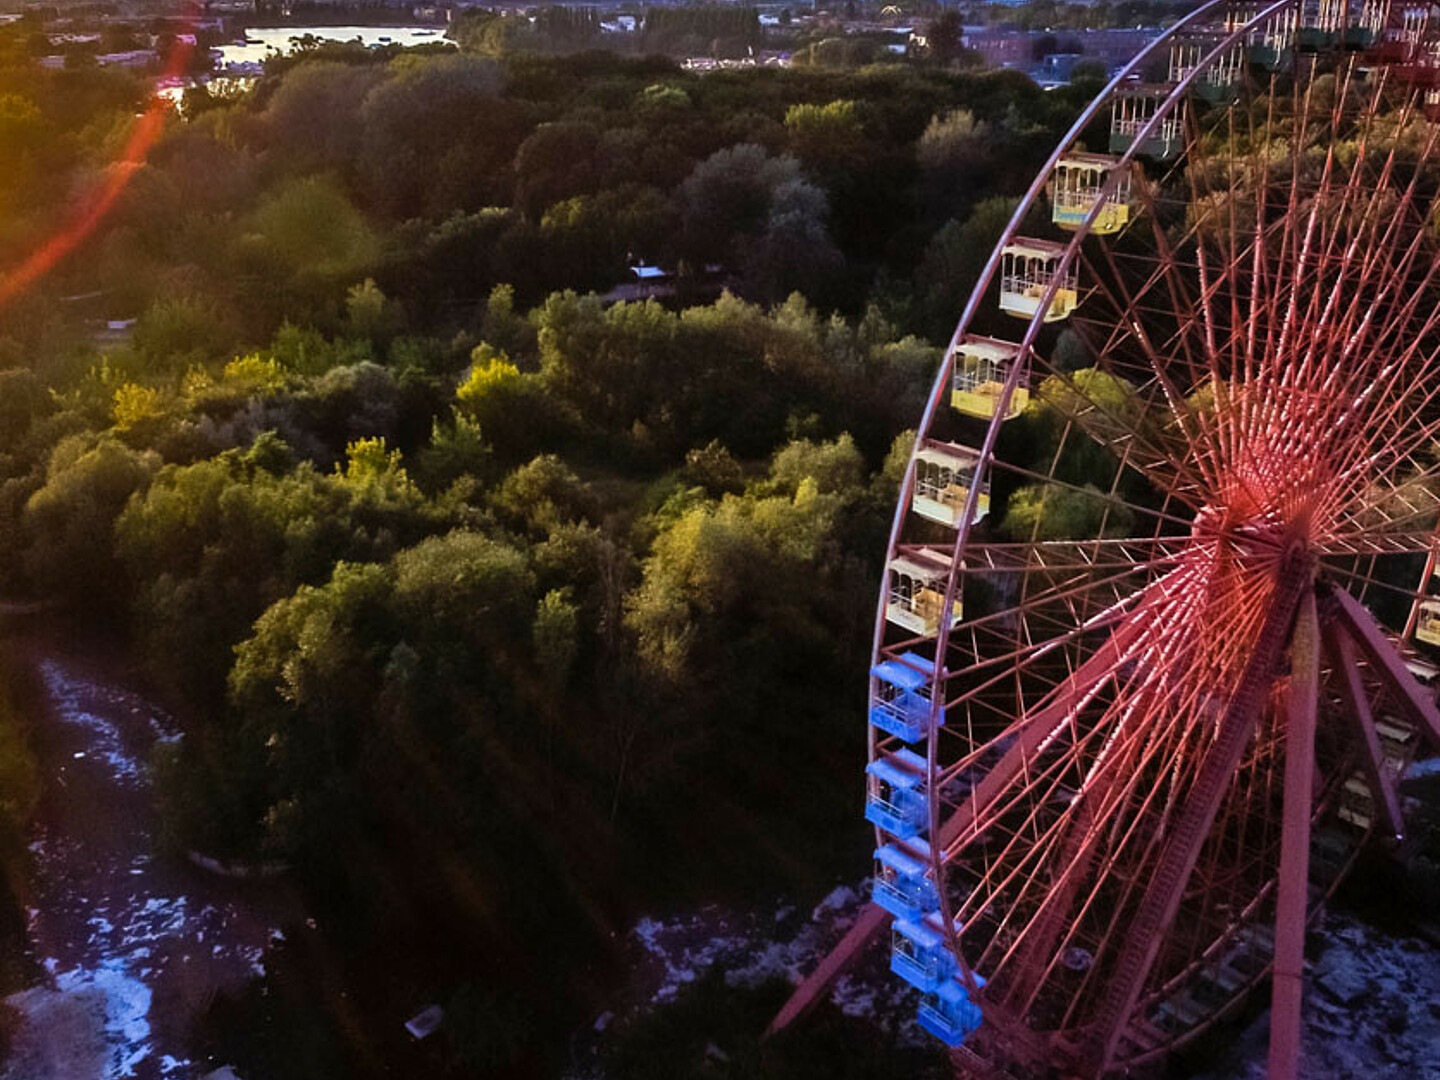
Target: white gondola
[1357,805]
[916,597]
[944,473]
[1365,29]
[1028,269]
[1397,741]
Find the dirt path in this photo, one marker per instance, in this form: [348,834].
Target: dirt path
[133,945]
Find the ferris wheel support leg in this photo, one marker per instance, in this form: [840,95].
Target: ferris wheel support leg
[1161,899]
[871,921]
[1386,663]
[1358,712]
[1290,901]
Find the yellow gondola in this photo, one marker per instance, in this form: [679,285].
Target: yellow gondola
[1078,185]
[979,369]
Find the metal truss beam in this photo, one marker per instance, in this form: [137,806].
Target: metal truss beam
[1291,897]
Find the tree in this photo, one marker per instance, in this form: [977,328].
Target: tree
[826,137]
[69,522]
[438,136]
[795,252]
[955,258]
[713,468]
[312,115]
[312,234]
[956,155]
[542,495]
[511,408]
[1053,512]
[176,332]
[945,38]
[555,163]
[468,588]
[834,467]
[727,198]
[136,406]
[370,313]
[501,326]
[22,401]
[456,449]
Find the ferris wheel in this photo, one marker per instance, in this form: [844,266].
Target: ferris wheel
[1136,702]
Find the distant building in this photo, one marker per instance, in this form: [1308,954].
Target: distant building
[1055,69]
[135,58]
[1000,48]
[1010,48]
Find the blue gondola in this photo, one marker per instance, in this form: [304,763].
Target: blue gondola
[901,706]
[896,798]
[920,956]
[901,885]
[948,1013]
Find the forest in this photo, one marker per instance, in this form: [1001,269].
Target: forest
[500,609]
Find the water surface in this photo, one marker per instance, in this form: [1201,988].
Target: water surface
[131,946]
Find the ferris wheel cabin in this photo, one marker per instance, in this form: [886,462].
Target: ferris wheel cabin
[901,705]
[1217,82]
[1132,109]
[1398,42]
[944,473]
[1427,627]
[1028,269]
[1365,31]
[902,885]
[980,366]
[895,797]
[1321,22]
[1267,45]
[920,955]
[916,597]
[1432,104]
[949,1014]
[1079,184]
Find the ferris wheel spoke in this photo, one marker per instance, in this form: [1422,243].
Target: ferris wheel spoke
[1113,288]
[1163,634]
[1097,800]
[1014,658]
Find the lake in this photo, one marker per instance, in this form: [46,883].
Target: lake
[269,39]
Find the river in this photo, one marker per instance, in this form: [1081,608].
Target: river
[261,42]
[131,946]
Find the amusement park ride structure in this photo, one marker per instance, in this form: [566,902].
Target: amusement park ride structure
[1124,745]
